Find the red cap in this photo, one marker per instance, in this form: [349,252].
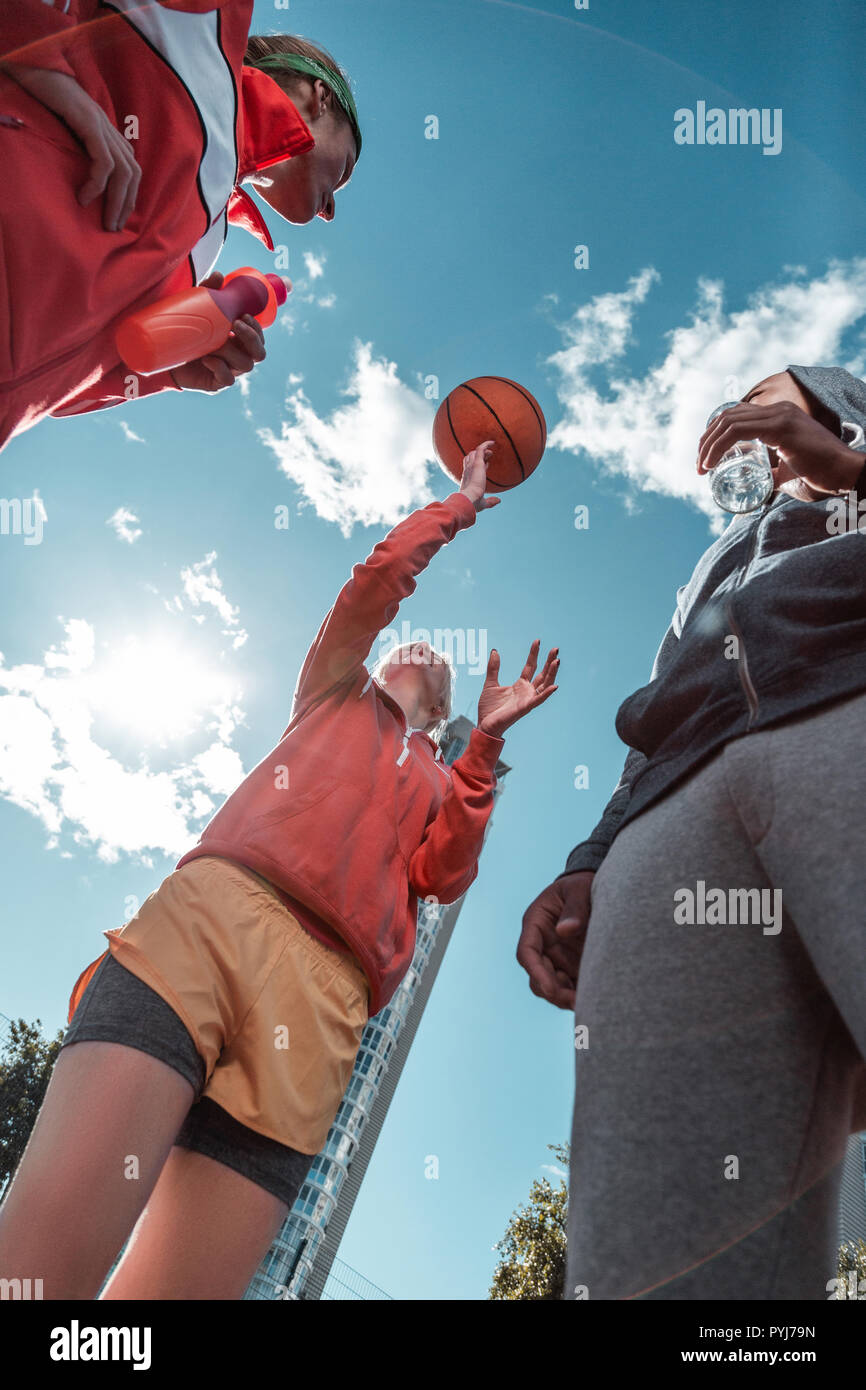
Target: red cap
[280,287]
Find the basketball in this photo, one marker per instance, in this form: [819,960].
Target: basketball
[491,407]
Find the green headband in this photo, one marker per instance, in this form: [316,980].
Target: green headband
[338,84]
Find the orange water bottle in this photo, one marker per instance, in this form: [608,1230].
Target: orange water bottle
[196,321]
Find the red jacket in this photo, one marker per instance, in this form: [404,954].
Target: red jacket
[177,67]
[366,818]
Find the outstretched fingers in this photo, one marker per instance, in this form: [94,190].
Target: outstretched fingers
[531,661]
[548,672]
[543,695]
[543,685]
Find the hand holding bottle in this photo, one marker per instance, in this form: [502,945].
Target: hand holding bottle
[798,445]
[206,335]
[238,355]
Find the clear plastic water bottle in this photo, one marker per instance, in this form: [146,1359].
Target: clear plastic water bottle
[742,480]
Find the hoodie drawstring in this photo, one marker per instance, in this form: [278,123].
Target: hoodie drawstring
[404,752]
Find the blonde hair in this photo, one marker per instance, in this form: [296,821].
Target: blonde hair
[262,45]
[437,732]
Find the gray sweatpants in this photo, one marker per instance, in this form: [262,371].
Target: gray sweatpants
[720,1038]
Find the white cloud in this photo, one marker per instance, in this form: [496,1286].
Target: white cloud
[221,768]
[76,653]
[305,294]
[130,434]
[28,756]
[202,585]
[646,427]
[464,575]
[368,461]
[124,523]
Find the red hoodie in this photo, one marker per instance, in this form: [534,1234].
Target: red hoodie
[351,813]
[177,67]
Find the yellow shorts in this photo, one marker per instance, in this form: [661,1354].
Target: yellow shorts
[276,1015]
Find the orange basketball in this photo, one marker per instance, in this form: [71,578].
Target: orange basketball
[491,407]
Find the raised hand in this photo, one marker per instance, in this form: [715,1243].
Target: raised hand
[474,479]
[500,706]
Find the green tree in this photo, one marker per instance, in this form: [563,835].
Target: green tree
[852,1261]
[532,1251]
[26,1063]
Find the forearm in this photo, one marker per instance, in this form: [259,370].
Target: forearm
[371,599]
[409,546]
[847,468]
[446,862]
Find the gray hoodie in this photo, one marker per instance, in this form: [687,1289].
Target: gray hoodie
[788,581]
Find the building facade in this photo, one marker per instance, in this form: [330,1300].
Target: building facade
[852,1196]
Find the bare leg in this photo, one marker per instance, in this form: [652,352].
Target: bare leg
[104,1130]
[203,1234]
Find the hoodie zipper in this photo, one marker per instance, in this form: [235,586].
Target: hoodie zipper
[407,732]
[405,750]
[746,682]
[743,671]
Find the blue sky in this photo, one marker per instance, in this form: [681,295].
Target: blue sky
[142,678]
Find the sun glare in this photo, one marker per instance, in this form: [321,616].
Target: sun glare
[158,689]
